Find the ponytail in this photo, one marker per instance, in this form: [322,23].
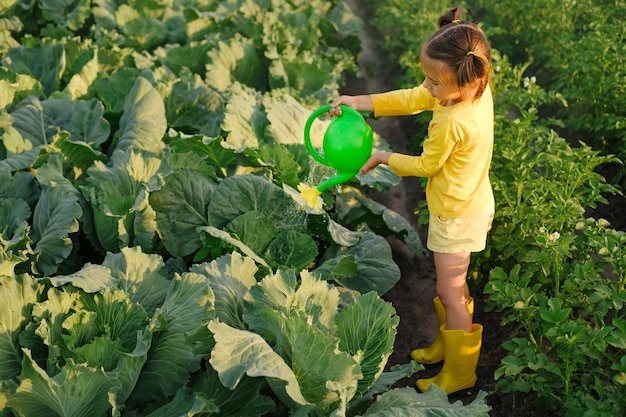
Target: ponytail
[464,49]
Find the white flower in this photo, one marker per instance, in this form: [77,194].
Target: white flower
[542,229]
[554,236]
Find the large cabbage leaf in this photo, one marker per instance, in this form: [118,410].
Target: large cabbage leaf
[235,60]
[19,292]
[245,401]
[240,194]
[284,293]
[188,307]
[193,106]
[177,223]
[230,278]
[118,199]
[14,87]
[39,121]
[244,118]
[367,328]
[293,323]
[143,276]
[72,14]
[78,390]
[55,217]
[241,352]
[143,122]
[14,239]
[407,402]
[43,61]
[376,270]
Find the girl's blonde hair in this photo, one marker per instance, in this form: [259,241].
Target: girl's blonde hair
[462,53]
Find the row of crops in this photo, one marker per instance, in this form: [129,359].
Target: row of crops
[556,275]
[155,259]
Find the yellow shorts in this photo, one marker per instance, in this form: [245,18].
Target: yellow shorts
[469,234]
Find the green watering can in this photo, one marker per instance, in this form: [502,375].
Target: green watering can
[347,144]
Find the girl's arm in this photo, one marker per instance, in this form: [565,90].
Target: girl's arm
[359,103]
[377,158]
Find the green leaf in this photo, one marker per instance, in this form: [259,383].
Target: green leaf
[20,185]
[69,13]
[84,73]
[243,193]
[181,207]
[14,239]
[292,249]
[45,62]
[210,149]
[143,122]
[113,90]
[186,403]
[244,401]
[55,217]
[119,200]
[406,402]
[238,352]
[77,391]
[368,328]
[90,278]
[230,278]
[19,294]
[254,229]
[15,87]
[143,276]
[283,292]
[235,60]
[384,384]
[189,306]
[327,376]
[115,315]
[376,270]
[141,31]
[192,106]
[244,118]
[226,237]
[287,119]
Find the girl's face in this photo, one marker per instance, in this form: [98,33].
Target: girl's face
[445,89]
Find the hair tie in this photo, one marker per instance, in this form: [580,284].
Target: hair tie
[470,53]
[456,21]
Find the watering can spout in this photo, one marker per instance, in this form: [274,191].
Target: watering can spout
[340,178]
[347,145]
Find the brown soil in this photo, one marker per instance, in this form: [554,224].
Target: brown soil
[412,296]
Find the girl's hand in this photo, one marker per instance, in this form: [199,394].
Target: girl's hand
[345,100]
[376,159]
[359,103]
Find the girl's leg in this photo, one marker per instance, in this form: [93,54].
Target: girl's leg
[452,288]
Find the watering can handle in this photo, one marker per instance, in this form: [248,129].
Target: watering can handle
[307,130]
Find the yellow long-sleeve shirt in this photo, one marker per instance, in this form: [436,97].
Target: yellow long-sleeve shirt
[455,156]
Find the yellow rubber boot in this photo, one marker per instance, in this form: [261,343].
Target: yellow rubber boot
[434,353]
[462,350]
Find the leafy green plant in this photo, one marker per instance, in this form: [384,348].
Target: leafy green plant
[547,276]
[575,48]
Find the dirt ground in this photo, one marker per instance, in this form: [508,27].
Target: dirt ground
[412,296]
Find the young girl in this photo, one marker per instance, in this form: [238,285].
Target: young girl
[455,158]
